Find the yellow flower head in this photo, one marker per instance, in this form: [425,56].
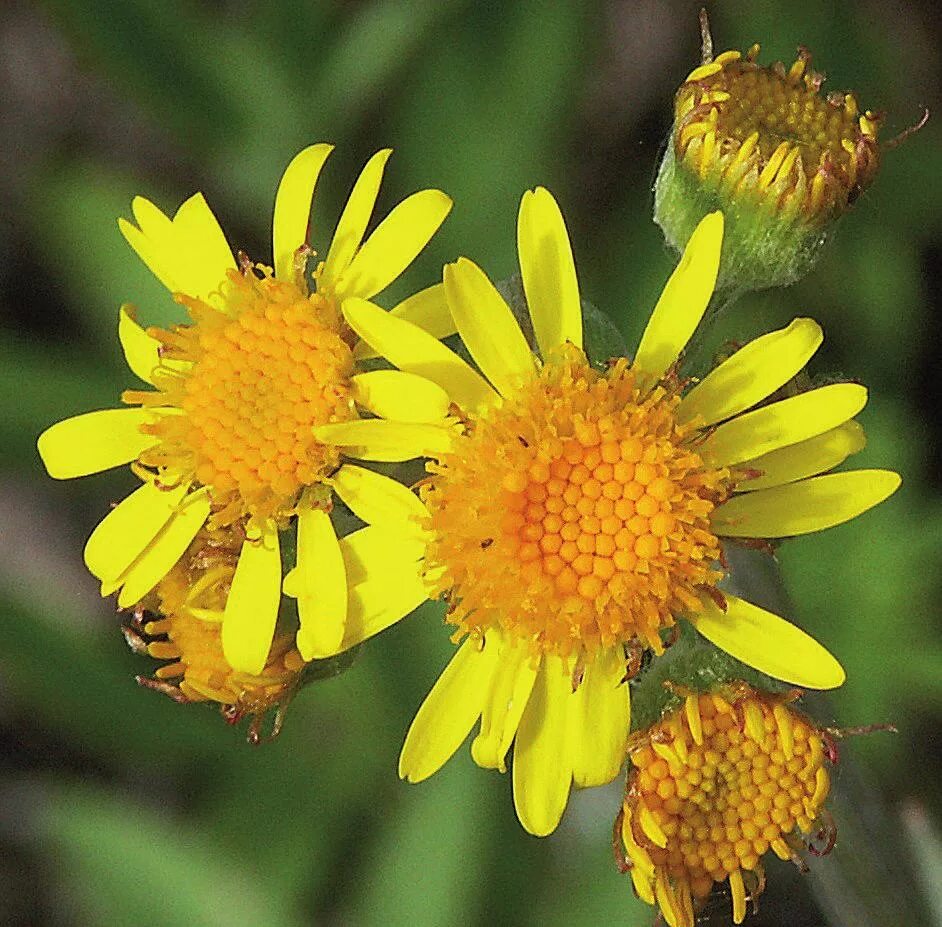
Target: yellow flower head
[226,436]
[182,624]
[580,511]
[767,133]
[780,159]
[712,787]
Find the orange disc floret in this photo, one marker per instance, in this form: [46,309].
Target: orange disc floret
[713,786]
[576,514]
[253,382]
[189,603]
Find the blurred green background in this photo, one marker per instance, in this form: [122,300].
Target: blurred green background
[118,807]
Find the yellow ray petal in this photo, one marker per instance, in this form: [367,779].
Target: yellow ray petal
[805,506]
[381,601]
[201,251]
[807,458]
[487,327]
[409,348]
[683,301]
[354,218]
[400,396]
[321,585]
[379,500]
[94,441]
[542,766]
[428,309]
[165,550]
[752,373]
[769,644]
[378,439]
[380,553]
[126,531]
[394,244]
[448,712]
[152,221]
[783,423]
[506,699]
[248,623]
[293,206]
[140,350]
[600,717]
[548,271]
[157,256]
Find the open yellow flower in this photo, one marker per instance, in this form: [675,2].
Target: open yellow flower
[580,511]
[226,434]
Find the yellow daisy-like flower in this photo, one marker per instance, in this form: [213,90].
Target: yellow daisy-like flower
[581,509]
[226,436]
[714,786]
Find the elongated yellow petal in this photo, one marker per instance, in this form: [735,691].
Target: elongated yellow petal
[248,623]
[394,244]
[400,396]
[293,206]
[188,253]
[807,458]
[94,441]
[428,309]
[542,767]
[140,350]
[600,718]
[380,602]
[354,218]
[448,712]
[487,327]
[379,439]
[380,553]
[201,251]
[783,423]
[507,697]
[377,499]
[769,644]
[752,373]
[321,582]
[126,531]
[152,221]
[805,506]
[683,301]
[165,550]
[153,257]
[738,891]
[410,348]
[548,271]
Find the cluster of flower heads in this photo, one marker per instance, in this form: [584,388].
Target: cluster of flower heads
[574,510]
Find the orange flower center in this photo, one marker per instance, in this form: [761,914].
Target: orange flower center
[575,514]
[259,376]
[714,786]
